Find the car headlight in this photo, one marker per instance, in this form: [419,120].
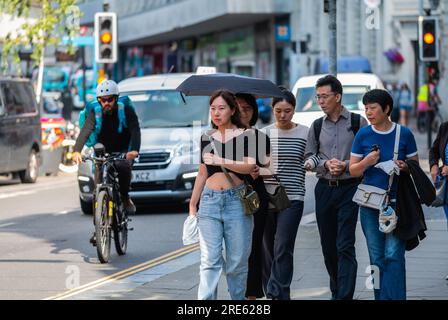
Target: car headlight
[70,126]
[186,149]
[86,151]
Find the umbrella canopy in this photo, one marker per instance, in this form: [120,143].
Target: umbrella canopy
[206,84]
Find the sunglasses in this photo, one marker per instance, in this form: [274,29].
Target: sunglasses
[104,99]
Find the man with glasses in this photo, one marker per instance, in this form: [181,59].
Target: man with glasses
[118,135]
[336,213]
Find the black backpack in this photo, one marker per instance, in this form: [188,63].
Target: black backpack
[355,120]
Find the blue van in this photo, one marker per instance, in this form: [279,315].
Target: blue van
[77,89]
[347,64]
[55,79]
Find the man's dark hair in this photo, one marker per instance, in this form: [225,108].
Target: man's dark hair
[288,96]
[331,81]
[250,100]
[382,97]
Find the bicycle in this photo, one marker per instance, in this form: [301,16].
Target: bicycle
[109,214]
[436,121]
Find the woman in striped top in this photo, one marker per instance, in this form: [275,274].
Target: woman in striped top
[288,141]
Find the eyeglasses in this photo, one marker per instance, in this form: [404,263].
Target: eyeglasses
[324,96]
[105,99]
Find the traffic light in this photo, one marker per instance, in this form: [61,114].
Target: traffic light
[106,37]
[428,38]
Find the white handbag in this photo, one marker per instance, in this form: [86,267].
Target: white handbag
[370,196]
[387,220]
[190,231]
[374,197]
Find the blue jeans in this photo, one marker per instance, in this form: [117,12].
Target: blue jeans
[221,217]
[279,240]
[387,252]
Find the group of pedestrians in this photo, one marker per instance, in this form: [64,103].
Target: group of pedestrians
[256,251]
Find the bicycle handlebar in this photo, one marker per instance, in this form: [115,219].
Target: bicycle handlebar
[107,157]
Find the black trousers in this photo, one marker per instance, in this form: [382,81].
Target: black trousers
[124,169]
[278,242]
[254,286]
[337,216]
[254,276]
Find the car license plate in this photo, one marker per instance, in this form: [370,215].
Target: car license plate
[141,176]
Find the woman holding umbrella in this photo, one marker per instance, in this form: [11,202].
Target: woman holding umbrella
[220,215]
[249,115]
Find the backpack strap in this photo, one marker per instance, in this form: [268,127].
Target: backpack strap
[98,117]
[317,130]
[121,117]
[355,120]
[96,107]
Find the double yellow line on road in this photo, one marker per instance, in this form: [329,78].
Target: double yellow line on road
[126,273]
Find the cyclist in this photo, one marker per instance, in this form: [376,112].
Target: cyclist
[114,136]
[428,101]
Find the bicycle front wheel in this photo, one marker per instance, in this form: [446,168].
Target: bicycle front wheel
[103,220]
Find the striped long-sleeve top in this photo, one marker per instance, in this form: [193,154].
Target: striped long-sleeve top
[287,158]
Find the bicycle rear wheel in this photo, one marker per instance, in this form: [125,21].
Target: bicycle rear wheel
[421,123]
[103,226]
[121,233]
[437,122]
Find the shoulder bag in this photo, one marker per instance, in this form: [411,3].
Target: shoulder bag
[280,198]
[440,192]
[248,196]
[374,197]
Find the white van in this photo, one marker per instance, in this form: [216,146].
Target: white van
[354,85]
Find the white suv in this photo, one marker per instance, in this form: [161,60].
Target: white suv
[354,86]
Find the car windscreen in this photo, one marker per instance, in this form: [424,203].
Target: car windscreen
[54,75]
[351,98]
[166,109]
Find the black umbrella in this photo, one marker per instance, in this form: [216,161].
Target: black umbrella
[206,84]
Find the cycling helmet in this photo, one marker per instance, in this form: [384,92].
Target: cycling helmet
[107,88]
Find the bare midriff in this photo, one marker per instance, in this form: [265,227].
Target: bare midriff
[219,181]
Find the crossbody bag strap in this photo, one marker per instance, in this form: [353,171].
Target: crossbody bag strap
[397,144]
[277,179]
[222,167]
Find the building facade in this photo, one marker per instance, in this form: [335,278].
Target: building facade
[280,40]
[251,37]
[387,36]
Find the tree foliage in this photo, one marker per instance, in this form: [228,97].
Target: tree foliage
[55,19]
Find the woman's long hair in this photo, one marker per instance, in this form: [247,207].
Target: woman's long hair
[229,98]
[250,100]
